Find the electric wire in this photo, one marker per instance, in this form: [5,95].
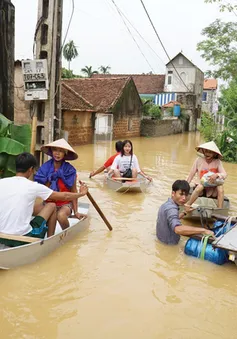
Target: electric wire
[118,10]
[163,63]
[144,7]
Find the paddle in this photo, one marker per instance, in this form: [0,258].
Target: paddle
[98,210]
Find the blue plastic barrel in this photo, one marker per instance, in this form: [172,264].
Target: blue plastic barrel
[177,110]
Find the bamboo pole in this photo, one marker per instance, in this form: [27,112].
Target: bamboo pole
[33,135]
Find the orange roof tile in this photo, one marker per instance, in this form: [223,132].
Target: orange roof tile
[210,84]
[171,104]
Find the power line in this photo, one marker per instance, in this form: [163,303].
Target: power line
[69,24]
[162,44]
[118,10]
[141,36]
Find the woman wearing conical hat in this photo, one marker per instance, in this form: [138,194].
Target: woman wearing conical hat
[60,175]
[211,174]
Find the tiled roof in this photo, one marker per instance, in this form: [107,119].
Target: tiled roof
[100,93]
[145,83]
[210,84]
[71,100]
[171,104]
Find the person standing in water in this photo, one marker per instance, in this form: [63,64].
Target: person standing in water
[126,164]
[209,163]
[60,176]
[169,227]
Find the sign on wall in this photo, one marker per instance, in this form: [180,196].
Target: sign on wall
[35,76]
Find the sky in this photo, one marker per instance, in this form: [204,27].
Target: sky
[103,39]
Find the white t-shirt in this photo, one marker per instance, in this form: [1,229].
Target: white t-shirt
[123,163]
[17,198]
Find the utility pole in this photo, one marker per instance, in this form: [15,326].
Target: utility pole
[7,49]
[48,46]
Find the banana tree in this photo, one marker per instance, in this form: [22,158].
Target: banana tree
[14,140]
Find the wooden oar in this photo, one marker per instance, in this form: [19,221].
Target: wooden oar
[22,238]
[97,208]
[99,211]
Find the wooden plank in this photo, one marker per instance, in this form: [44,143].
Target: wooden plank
[127,179]
[223,218]
[18,237]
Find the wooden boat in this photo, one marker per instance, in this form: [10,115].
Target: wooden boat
[205,207]
[123,185]
[11,257]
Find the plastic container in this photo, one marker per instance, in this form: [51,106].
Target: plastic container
[217,256]
[205,180]
[177,110]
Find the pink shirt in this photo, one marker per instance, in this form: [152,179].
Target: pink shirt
[201,167]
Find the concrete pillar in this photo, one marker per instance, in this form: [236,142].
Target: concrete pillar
[7,52]
[48,46]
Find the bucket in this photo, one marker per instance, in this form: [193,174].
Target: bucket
[177,110]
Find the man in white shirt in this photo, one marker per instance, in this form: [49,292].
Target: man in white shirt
[17,203]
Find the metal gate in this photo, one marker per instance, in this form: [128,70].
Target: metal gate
[103,127]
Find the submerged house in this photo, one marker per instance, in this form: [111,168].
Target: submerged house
[96,109]
[185,79]
[209,96]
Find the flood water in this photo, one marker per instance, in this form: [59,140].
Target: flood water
[124,283]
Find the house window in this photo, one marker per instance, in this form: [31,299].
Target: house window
[204,96]
[181,60]
[129,124]
[169,80]
[170,72]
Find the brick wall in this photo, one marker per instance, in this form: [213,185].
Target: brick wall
[79,127]
[126,128]
[158,128]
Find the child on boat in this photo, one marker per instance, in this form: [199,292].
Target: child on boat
[126,164]
[108,163]
[211,165]
[169,227]
[59,175]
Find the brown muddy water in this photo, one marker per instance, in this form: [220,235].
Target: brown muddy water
[124,284]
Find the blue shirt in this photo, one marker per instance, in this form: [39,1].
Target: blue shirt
[167,220]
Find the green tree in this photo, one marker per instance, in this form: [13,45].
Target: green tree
[67,73]
[87,70]
[155,112]
[228,100]
[223,5]
[219,49]
[70,52]
[104,69]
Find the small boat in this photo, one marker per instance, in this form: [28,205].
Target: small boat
[205,207]
[11,257]
[123,185]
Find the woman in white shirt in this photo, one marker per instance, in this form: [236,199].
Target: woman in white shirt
[126,160]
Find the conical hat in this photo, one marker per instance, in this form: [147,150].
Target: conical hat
[61,143]
[211,146]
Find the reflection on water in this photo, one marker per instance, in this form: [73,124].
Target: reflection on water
[125,284]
